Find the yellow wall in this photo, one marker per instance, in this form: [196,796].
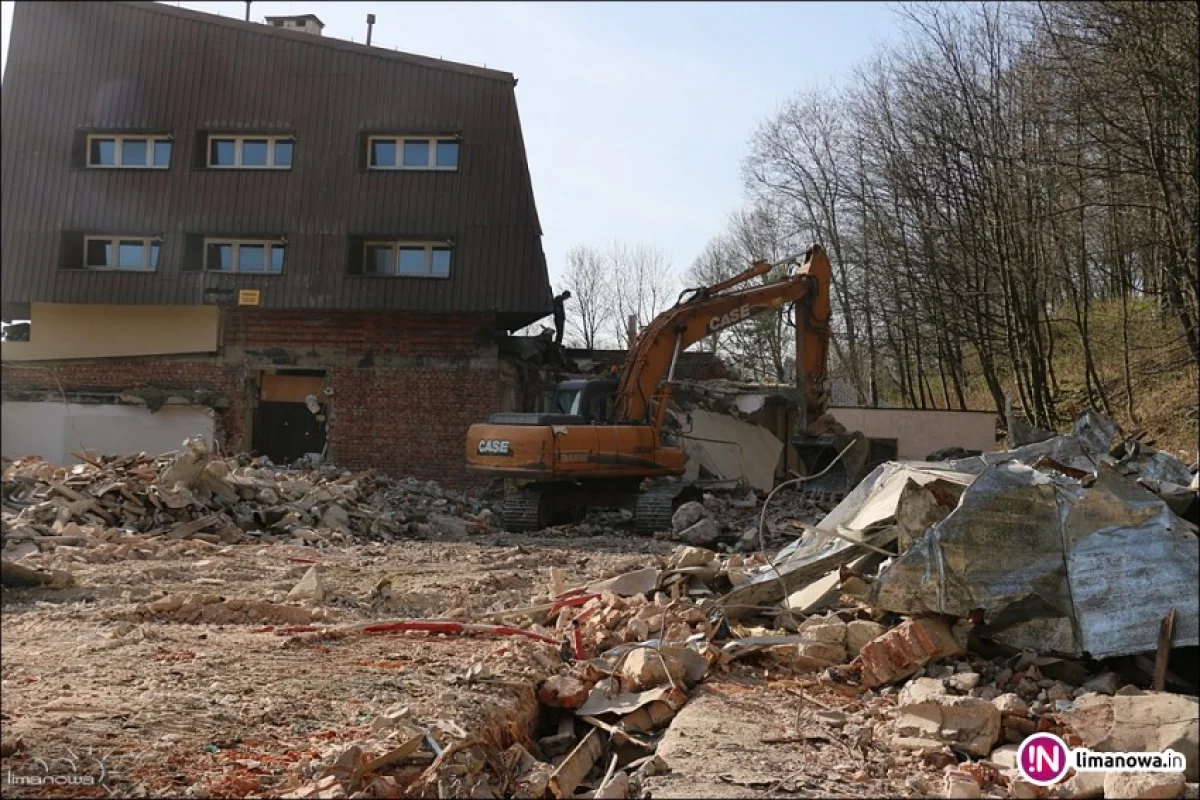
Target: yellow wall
[63,330]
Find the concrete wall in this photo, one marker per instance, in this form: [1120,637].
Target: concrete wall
[65,330]
[48,430]
[919,433]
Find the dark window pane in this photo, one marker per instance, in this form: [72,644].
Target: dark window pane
[277,253]
[254,153]
[412,261]
[447,154]
[383,153]
[220,257]
[99,253]
[104,152]
[416,154]
[154,255]
[131,254]
[379,259]
[221,152]
[283,154]
[133,152]
[252,258]
[441,261]
[162,153]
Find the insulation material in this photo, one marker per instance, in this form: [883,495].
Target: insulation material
[729,449]
[1055,566]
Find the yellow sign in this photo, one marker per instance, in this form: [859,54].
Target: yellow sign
[248,297]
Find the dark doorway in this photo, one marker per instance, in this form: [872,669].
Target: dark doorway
[285,427]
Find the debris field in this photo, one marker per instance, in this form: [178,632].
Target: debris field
[199,626]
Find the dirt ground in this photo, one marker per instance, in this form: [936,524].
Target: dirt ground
[164,672]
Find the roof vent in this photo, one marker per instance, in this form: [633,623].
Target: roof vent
[305,23]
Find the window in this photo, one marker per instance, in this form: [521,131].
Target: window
[250,152]
[127,253]
[244,255]
[408,152]
[407,259]
[143,152]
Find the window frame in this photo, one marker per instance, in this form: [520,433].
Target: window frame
[399,141]
[148,242]
[239,140]
[236,242]
[118,139]
[396,245]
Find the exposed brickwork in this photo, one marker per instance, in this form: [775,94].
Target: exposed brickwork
[356,333]
[408,420]
[114,375]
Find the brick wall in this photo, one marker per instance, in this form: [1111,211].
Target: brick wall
[356,333]
[123,375]
[404,419]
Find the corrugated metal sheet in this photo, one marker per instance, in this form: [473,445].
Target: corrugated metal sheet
[75,67]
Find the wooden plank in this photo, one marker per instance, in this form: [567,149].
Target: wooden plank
[577,765]
[186,529]
[1165,633]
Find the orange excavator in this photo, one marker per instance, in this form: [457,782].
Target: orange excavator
[605,445]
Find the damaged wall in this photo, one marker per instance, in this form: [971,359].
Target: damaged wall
[919,433]
[405,387]
[55,430]
[68,330]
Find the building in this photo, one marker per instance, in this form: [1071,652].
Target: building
[287,242]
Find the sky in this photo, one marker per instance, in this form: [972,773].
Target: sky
[636,116]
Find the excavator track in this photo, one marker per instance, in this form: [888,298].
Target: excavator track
[522,511]
[655,508]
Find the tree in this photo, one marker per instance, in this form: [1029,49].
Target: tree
[591,296]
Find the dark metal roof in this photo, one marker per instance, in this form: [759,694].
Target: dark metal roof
[147,67]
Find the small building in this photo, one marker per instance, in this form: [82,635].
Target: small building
[295,243]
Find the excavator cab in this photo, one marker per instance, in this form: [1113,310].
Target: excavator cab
[592,400]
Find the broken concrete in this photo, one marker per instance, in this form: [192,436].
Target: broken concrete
[1139,723]
[965,723]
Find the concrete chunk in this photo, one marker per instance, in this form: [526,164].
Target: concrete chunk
[1143,785]
[967,723]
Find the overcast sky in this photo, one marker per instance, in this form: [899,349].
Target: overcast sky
[636,115]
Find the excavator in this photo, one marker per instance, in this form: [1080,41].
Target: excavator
[605,444]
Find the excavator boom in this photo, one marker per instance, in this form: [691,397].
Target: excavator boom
[570,461]
[710,310]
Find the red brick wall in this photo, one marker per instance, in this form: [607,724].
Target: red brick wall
[402,420]
[409,421]
[354,332]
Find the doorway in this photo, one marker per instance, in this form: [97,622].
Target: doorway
[289,419]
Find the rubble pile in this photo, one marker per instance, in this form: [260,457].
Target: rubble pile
[945,611]
[122,500]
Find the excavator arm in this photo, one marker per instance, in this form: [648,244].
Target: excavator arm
[711,309]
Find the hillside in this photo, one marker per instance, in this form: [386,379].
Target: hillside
[1164,379]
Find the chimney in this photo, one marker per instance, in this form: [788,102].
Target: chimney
[248,10]
[631,329]
[370,24]
[305,23]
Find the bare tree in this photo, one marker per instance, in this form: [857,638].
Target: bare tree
[591,296]
[643,285]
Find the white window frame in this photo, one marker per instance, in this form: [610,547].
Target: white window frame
[399,141]
[396,245]
[268,245]
[147,243]
[119,139]
[239,140]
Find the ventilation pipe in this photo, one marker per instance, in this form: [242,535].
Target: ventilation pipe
[370,24]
